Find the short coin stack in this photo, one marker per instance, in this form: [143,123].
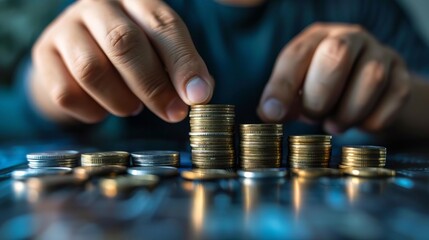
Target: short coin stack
[309,151]
[363,156]
[212,136]
[105,158]
[67,158]
[155,158]
[261,145]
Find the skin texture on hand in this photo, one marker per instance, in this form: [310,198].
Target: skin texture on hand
[339,75]
[117,57]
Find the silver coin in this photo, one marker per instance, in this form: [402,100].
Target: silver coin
[22,174]
[53,155]
[162,171]
[262,173]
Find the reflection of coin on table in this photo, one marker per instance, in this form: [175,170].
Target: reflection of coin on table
[207,174]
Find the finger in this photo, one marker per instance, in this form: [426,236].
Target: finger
[397,94]
[129,50]
[169,35]
[65,95]
[94,73]
[369,80]
[282,89]
[329,71]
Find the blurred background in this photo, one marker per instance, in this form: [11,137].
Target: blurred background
[21,21]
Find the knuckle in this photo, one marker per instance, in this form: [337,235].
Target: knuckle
[164,20]
[185,58]
[153,86]
[336,50]
[121,40]
[87,69]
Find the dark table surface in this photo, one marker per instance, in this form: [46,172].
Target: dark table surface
[291,208]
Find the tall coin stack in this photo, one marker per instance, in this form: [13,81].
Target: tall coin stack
[67,158]
[155,158]
[96,159]
[310,151]
[363,156]
[212,136]
[261,145]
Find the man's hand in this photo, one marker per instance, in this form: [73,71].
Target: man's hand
[339,75]
[116,56]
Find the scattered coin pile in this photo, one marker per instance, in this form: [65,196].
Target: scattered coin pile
[309,151]
[261,145]
[212,136]
[155,158]
[105,158]
[363,156]
[66,158]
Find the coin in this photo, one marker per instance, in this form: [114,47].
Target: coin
[207,174]
[105,158]
[54,155]
[363,156]
[212,136]
[155,158]
[369,172]
[260,145]
[316,172]
[23,174]
[309,151]
[64,158]
[158,171]
[262,173]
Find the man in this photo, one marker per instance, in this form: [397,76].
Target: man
[283,60]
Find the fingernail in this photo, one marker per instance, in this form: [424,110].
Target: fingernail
[138,110]
[274,110]
[177,110]
[197,90]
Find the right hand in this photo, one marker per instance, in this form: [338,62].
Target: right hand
[103,57]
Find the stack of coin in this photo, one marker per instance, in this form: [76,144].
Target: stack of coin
[155,158]
[363,156]
[105,158]
[212,136]
[67,158]
[261,145]
[309,151]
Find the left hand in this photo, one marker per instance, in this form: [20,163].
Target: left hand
[338,75]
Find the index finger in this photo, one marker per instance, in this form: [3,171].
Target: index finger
[170,37]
